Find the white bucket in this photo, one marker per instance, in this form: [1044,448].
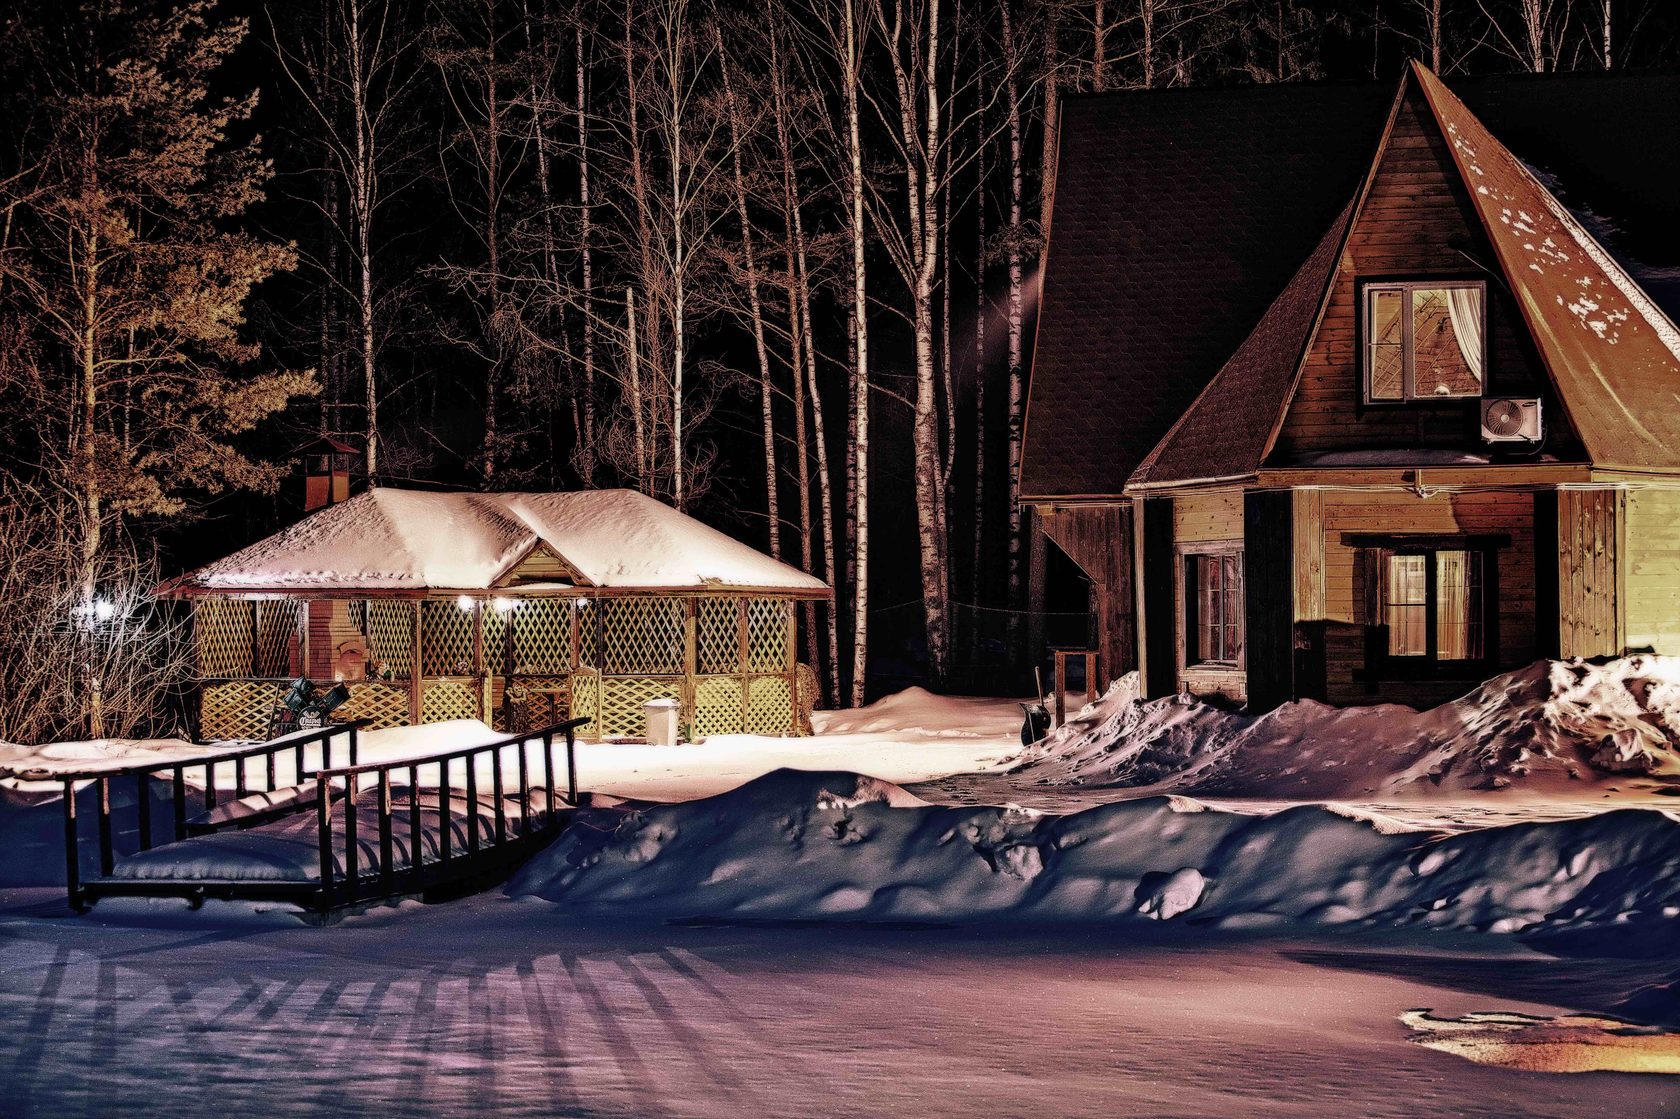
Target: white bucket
[661,716]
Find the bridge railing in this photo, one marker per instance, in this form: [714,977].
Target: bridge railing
[485,845]
[336,741]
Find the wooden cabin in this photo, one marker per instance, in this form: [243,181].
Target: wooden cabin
[512,608]
[1365,395]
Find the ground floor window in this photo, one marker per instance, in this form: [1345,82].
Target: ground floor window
[1433,603]
[1213,608]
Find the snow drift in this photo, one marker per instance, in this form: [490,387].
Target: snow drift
[1547,728]
[837,846]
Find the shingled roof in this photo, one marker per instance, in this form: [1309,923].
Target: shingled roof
[1225,432]
[1180,217]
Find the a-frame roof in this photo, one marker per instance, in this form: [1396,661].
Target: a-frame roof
[1181,215]
[1613,356]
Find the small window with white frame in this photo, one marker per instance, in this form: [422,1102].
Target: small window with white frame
[1425,340]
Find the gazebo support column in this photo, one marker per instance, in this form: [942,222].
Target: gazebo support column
[416,670]
[479,674]
[691,660]
[793,668]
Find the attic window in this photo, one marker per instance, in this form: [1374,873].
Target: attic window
[1425,340]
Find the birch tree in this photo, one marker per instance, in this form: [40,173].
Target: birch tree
[357,83]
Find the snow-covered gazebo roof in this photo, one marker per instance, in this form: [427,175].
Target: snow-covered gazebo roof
[394,542]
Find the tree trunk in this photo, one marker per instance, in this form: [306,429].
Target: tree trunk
[1016,404]
[799,339]
[585,214]
[755,302]
[860,366]
[633,345]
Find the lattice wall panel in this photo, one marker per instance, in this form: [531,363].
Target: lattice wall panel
[277,630]
[446,633]
[586,702]
[643,635]
[237,710]
[389,626]
[224,637]
[589,634]
[542,636]
[443,700]
[768,624]
[718,642]
[717,706]
[769,706]
[385,704]
[620,702]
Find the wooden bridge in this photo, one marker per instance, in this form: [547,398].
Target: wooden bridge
[301,819]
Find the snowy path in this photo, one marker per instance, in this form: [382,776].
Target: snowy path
[490,1007]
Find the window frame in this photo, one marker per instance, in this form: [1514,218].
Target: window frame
[1408,350]
[1379,546]
[1190,556]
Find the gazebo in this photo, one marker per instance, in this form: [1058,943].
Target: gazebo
[504,607]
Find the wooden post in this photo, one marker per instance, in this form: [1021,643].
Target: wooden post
[792,617]
[479,674]
[303,636]
[744,657]
[416,669]
[691,659]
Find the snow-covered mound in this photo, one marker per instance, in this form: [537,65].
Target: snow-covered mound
[917,712]
[795,845]
[1546,728]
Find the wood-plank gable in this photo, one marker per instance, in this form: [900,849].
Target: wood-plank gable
[1415,220]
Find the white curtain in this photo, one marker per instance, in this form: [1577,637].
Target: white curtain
[1465,306]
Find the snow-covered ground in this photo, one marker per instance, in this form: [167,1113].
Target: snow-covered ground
[785,937]
[491,1007]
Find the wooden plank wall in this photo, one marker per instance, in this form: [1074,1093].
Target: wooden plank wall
[1651,569]
[1203,517]
[1099,539]
[1589,622]
[1508,512]
[1416,222]
[1308,510]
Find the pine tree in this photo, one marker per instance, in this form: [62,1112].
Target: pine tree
[133,270]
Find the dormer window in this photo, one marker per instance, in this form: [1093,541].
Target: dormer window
[1425,340]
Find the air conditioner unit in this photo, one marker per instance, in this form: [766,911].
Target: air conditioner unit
[1511,419]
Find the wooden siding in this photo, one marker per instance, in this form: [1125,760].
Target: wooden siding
[1202,518]
[541,566]
[1651,569]
[1491,512]
[1417,222]
[1099,539]
[1589,622]
[1208,515]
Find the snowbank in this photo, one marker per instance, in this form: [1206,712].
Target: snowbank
[838,846]
[919,713]
[1547,728]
